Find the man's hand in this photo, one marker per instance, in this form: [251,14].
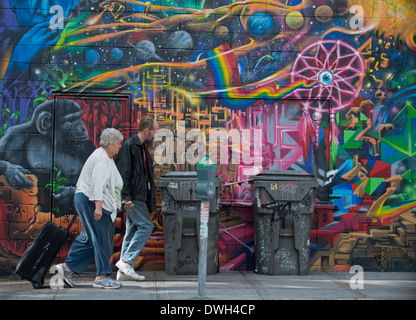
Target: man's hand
[128,205]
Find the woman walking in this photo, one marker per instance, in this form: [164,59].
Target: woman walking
[96,200]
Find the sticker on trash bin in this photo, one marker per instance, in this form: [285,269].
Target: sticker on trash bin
[284,186]
[173,185]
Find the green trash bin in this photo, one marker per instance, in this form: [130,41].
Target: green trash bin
[181,210]
[283,206]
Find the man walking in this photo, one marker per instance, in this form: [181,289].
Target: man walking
[138,195]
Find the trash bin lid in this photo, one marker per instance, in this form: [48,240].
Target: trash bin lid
[182,174]
[273,175]
[173,178]
[165,180]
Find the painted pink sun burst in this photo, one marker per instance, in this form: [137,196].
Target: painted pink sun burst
[337,66]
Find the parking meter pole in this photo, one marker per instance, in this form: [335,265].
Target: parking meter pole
[203,244]
[206,190]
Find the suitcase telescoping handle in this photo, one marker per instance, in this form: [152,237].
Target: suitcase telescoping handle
[72,222]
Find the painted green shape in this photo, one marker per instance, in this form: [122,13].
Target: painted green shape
[403,196]
[373,184]
[411,78]
[403,138]
[411,111]
[333,154]
[349,142]
[363,117]
[342,152]
[390,155]
[407,175]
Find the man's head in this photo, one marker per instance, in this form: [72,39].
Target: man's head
[147,130]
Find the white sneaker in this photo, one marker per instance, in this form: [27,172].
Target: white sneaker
[128,270]
[66,273]
[122,277]
[106,283]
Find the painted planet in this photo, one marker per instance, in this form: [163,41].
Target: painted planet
[117,53]
[221,32]
[146,50]
[92,56]
[294,20]
[324,13]
[260,24]
[180,40]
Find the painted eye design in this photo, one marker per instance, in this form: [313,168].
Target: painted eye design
[326,77]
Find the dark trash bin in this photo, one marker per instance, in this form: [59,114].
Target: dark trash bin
[283,207]
[181,223]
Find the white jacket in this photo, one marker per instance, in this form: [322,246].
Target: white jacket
[98,179]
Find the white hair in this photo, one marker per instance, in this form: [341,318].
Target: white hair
[110,135]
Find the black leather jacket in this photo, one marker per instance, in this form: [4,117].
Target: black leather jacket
[137,184]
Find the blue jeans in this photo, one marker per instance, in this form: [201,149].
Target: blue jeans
[139,227]
[96,240]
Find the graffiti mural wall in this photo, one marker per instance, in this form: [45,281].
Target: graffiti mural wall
[322,86]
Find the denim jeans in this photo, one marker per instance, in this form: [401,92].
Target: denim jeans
[96,240]
[139,227]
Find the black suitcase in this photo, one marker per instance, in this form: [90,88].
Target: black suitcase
[40,254]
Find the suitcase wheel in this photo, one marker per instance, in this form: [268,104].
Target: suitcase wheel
[37,285]
[37,280]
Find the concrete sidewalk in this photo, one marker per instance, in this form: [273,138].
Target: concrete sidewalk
[244,285]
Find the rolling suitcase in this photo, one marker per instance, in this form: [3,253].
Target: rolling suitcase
[40,254]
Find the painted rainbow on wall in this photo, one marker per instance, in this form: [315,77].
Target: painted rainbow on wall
[224,69]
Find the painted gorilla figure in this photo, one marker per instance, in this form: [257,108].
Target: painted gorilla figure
[54,140]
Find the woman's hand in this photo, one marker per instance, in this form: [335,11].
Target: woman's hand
[98,212]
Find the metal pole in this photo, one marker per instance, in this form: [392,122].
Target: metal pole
[203,244]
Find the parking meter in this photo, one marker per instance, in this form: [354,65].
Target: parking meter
[206,180]
[206,190]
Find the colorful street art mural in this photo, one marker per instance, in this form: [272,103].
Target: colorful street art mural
[326,87]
